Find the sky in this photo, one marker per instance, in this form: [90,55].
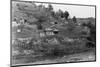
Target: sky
[75,10]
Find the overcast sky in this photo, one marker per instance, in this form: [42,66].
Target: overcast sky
[78,11]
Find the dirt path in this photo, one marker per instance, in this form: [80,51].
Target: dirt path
[84,56]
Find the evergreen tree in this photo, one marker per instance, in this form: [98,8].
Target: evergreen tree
[61,13]
[50,7]
[74,19]
[66,15]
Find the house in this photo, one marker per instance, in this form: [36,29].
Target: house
[42,34]
[14,23]
[48,32]
[23,21]
[17,23]
[51,31]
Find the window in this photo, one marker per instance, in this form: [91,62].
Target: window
[55,32]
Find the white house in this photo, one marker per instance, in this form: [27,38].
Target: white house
[49,33]
[42,34]
[14,23]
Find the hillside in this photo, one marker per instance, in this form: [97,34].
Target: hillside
[40,32]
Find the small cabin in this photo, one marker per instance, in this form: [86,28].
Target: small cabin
[50,31]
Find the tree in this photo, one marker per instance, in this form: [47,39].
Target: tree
[50,7]
[60,12]
[66,14]
[91,39]
[92,31]
[52,13]
[74,19]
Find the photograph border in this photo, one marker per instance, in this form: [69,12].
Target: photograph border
[48,3]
